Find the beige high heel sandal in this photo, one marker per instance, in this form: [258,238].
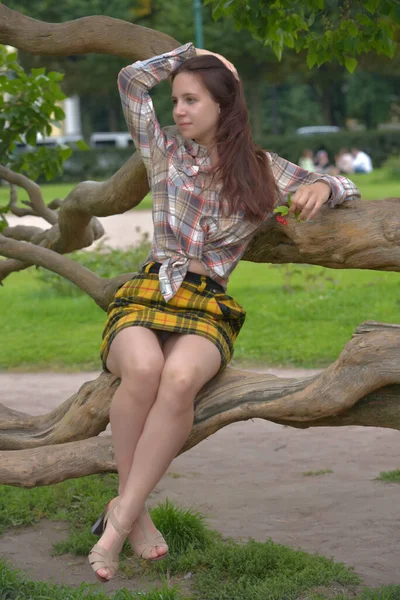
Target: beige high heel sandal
[100,558]
[144,545]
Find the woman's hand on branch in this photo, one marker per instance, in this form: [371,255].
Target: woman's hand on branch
[308,200]
[229,65]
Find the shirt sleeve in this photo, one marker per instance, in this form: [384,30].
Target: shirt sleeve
[134,83]
[290,177]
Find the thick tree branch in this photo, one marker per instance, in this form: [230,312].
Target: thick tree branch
[362,387]
[22,232]
[15,209]
[98,34]
[100,289]
[36,203]
[355,235]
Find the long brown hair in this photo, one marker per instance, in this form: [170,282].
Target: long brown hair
[243,167]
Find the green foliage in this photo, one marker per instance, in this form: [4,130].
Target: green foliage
[324,29]
[390,476]
[28,107]
[392,165]
[104,261]
[317,473]
[185,529]
[15,586]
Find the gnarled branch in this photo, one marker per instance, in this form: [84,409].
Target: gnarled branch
[362,387]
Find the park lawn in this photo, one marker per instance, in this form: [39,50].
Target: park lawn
[305,326]
[373,186]
[379,184]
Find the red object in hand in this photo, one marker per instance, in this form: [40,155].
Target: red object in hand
[281,220]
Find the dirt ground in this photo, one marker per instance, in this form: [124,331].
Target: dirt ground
[248,479]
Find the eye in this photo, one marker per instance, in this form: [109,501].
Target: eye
[191,100]
[174,101]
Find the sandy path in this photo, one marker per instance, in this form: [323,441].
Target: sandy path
[120,230]
[248,480]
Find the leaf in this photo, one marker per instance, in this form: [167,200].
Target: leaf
[282,210]
[59,114]
[350,63]
[82,145]
[3,222]
[65,153]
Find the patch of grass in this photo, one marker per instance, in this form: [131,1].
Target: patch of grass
[79,501]
[390,476]
[15,586]
[377,185]
[185,529]
[260,571]
[307,323]
[317,473]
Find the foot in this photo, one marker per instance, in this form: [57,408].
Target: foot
[104,555]
[146,541]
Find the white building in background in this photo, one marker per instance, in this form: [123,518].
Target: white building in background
[72,125]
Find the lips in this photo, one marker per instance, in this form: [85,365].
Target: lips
[184,124]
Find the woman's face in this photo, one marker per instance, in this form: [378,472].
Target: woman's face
[195,112]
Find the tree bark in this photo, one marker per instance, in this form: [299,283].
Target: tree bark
[362,387]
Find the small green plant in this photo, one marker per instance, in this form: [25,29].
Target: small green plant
[103,260]
[184,528]
[390,476]
[317,473]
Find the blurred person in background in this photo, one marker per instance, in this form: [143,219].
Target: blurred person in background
[345,161]
[306,160]
[362,163]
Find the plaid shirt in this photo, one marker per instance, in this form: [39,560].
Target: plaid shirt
[188,220]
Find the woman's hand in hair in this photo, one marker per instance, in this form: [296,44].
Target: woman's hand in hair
[307,200]
[229,65]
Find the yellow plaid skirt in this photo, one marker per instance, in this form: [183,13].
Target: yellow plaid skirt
[200,307]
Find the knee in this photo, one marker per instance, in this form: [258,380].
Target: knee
[179,387]
[143,374]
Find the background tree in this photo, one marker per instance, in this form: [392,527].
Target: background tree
[362,387]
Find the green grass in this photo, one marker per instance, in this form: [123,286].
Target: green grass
[304,324]
[379,184]
[221,569]
[15,586]
[390,476]
[51,191]
[317,473]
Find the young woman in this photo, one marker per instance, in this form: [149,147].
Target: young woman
[172,327]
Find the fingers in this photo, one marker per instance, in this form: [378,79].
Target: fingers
[306,203]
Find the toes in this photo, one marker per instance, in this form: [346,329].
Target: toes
[161,550]
[103,573]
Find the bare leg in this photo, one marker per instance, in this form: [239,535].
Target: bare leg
[136,357]
[191,362]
